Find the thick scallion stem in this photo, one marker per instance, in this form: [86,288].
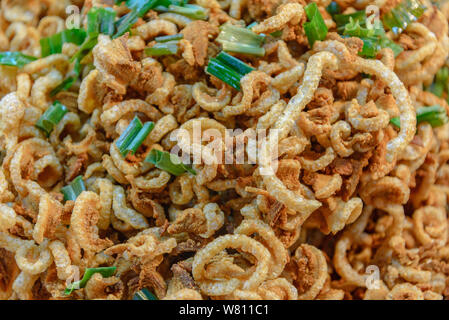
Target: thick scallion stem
[51,117]
[144,294]
[436,116]
[241,40]
[128,135]
[168,162]
[140,137]
[402,15]
[174,37]
[315,28]
[74,189]
[163,49]
[52,45]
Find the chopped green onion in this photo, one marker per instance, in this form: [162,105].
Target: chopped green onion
[234,63]
[440,84]
[354,29]
[370,47]
[128,135]
[168,162]
[133,136]
[124,24]
[243,49]
[140,137]
[228,69]
[52,45]
[224,73]
[373,37]
[70,80]
[15,59]
[403,15]
[51,117]
[99,20]
[387,43]
[316,28]
[241,40]
[191,11]
[435,115]
[333,8]
[174,37]
[138,9]
[144,294]
[74,189]
[343,19]
[163,49]
[88,273]
[396,122]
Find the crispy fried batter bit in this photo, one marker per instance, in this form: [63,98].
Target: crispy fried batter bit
[326,176]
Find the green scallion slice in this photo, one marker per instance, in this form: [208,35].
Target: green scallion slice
[174,37]
[168,162]
[241,40]
[15,59]
[71,78]
[99,20]
[140,137]
[144,294]
[163,49]
[435,115]
[315,28]
[128,135]
[440,83]
[138,9]
[51,117]
[53,45]
[88,273]
[402,15]
[133,136]
[191,11]
[228,69]
[74,189]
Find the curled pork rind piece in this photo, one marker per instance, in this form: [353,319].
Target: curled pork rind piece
[308,271]
[83,221]
[265,235]
[220,287]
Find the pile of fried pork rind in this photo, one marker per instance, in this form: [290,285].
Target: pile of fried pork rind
[356,210]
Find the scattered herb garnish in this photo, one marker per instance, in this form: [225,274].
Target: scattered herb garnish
[51,117]
[133,136]
[241,40]
[53,45]
[88,273]
[315,28]
[228,69]
[144,294]
[435,115]
[168,162]
[15,59]
[74,189]
[403,15]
